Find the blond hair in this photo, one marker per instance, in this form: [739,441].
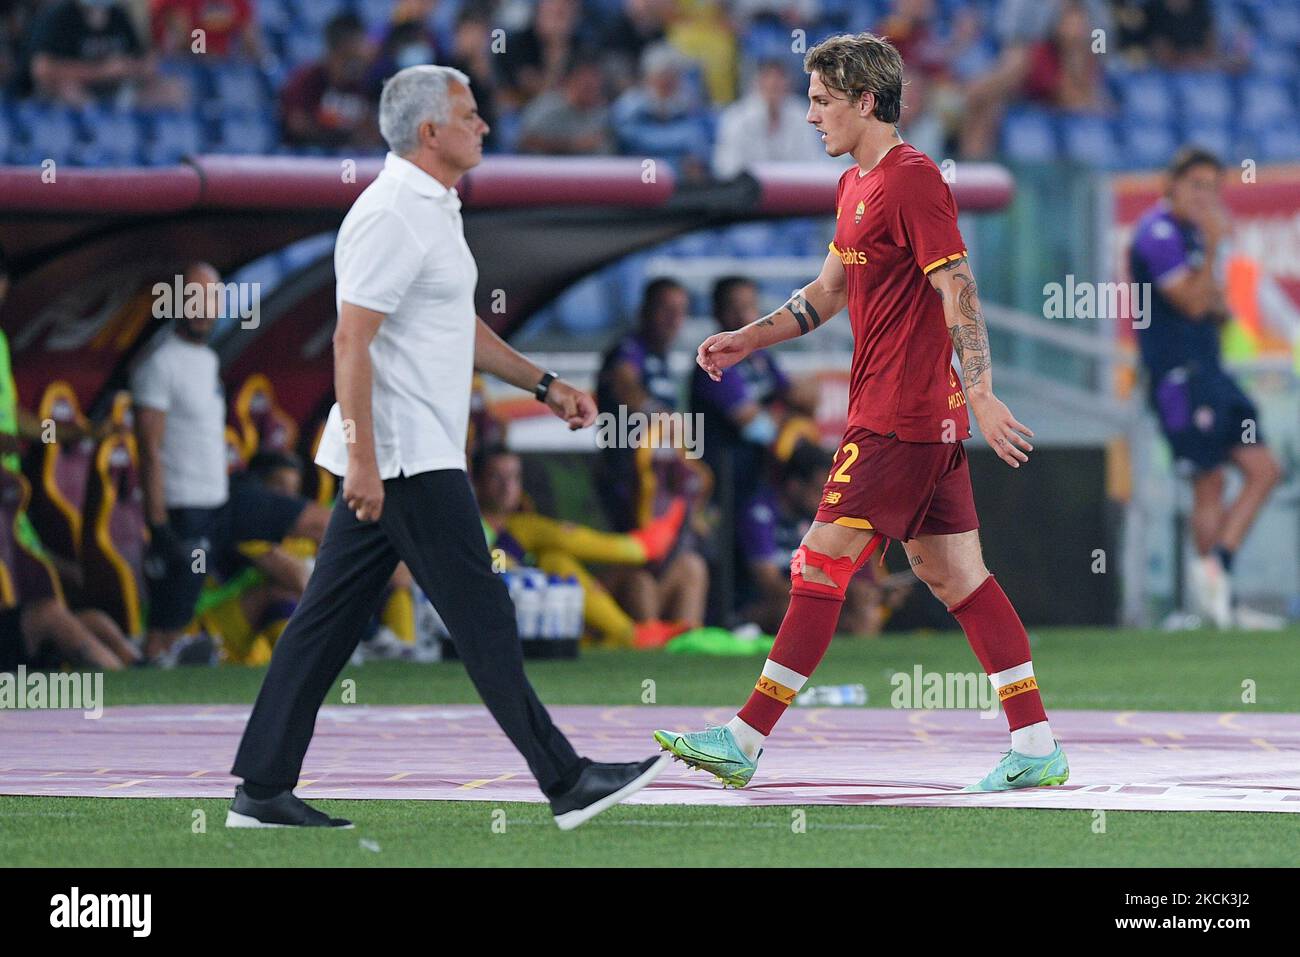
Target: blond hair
[858,64]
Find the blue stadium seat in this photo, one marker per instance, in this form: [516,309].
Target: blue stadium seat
[375,14]
[50,132]
[1147,145]
[314,14]
[585,307]
[302,47]
[246,134]
[1265,102]
[1215,137]
[1090,140]
[1029,136]
[1280,144]
[237,85]
[274,15]
[1207,95]
[753,239]
[173,135]
[628,277]
[6,134]
[111,138]
[1147,96]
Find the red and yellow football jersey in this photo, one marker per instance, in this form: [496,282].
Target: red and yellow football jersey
[894,225]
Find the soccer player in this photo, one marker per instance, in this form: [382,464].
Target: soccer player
[1203,412]
[899,263]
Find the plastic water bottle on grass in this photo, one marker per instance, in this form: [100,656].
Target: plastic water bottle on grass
[832,696]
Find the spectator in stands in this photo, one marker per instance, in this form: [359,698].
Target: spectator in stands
[525,538]
[1206,417]
[770,124]
[83,50]
[471,53]
[625,37]
[326,103]
[193,510]
[408,42]
[1046,58]
[536,58]
[772,526]
[228,28]
[573,119]
[637,482]
[661,118]
[1180,34]
[702,31]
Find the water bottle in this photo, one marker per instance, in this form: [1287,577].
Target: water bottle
[553,607]
[577,601]
[528,608]
[832,696]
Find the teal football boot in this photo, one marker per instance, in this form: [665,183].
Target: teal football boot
[1017,770]
[714,750]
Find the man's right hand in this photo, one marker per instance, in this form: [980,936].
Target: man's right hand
[721,351]
[363,491]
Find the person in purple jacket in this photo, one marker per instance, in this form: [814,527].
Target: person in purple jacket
[1207,418]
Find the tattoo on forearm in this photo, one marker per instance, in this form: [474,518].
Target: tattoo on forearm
[970,336]
[765,321]
[915,560]
[804,313]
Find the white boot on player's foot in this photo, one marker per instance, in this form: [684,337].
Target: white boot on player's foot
[1251,619]
[1211,590]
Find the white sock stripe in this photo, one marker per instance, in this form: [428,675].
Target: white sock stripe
[1018,673]
[783,675]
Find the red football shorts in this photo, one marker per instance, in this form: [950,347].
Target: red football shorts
[900,489]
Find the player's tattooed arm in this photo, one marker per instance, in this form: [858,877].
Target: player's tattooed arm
[965,319]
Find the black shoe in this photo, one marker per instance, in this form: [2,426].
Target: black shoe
[601,786]
[284,810]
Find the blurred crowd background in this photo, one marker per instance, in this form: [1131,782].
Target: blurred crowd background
[1110,83]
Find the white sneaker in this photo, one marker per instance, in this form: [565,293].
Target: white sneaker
[1211,590]
[384,646]
[1248,619]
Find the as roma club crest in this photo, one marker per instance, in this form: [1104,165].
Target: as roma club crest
[857,213]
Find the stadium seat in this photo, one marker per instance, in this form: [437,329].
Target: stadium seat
[261,424]
[1265,102]
[50,132]
[247,134]
[752,239]
[1147,96]
[319,484]
[1090,140]
[111,138]
[312,15]
[1205,95]
[1029,136]
[236,460]
[301,48]
[113,537]
[13,499]
[237,85]
[1281,143]
[6,134]
[58,472]
[584,308]
[1147,144]
[172,136]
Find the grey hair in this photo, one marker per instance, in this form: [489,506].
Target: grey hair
[415,95]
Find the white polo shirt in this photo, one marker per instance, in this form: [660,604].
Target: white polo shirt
[401,251]
[183,379]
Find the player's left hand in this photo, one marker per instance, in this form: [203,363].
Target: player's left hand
[1003,432]
[572,405]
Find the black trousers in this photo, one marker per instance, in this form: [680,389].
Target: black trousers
[431,522]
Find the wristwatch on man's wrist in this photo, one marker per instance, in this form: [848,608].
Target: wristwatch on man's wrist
[544,386]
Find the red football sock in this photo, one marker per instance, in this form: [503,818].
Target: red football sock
[999,640]
[805,634]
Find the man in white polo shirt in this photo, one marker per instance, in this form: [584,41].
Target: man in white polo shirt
[405,348]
